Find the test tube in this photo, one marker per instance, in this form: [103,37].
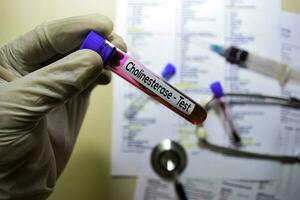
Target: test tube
[144,79]
[217,90]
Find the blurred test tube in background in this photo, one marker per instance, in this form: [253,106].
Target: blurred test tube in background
[138,103]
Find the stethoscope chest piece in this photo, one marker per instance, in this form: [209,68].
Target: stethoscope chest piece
[168,159]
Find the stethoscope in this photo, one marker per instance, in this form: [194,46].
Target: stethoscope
[219,102]
[168,160]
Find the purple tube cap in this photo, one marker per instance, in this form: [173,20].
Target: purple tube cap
[169,71]
[96,42]
[217,89]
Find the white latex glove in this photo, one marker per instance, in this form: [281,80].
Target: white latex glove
[41,111]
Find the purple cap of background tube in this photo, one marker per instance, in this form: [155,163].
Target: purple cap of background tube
[217,89]
[95,42]
[169,71]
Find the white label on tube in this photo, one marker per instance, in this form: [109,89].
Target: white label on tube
[158,86]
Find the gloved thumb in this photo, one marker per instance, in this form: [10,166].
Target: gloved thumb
[25,101]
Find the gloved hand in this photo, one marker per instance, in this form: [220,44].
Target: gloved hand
[41,111]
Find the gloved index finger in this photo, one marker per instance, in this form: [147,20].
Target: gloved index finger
[54,38]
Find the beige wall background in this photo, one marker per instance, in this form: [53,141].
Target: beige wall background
[87,175]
